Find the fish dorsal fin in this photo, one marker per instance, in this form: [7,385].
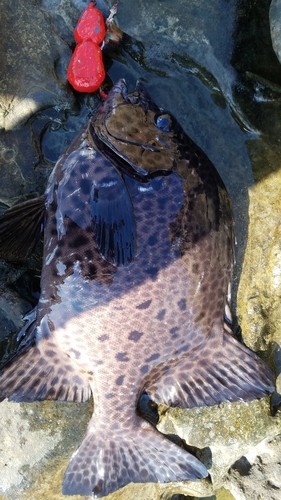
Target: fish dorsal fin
[40,370]
[221,370]
[113,218]
[20,228]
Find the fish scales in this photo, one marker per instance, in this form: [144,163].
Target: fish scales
[138,257]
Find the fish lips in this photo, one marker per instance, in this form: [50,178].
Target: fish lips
[113,139]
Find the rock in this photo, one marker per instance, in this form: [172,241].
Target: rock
[260,291]
[223,433]
[17,157]
[275,26]
[253,473]
[30,53]
[36,441]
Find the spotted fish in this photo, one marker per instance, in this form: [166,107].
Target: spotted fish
[138,253]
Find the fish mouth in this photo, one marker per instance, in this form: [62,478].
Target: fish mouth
[121,88]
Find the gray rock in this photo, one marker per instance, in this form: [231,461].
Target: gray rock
[257,474]
[36,441]
[223,433]
[30,53]
[275,26]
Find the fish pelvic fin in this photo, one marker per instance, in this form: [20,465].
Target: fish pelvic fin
[138,453]
[220,370]
[20,229]
[40,370]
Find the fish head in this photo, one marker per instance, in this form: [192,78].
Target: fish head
[132,129]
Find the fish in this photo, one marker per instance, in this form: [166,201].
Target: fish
[135,293]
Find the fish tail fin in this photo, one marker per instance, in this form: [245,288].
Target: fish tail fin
[220,370]
[105,462]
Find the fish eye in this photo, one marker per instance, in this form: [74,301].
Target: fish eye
[163,122]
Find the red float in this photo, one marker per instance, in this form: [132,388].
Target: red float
[90,26]
[86,70]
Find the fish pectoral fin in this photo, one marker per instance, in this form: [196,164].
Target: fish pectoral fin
[108,460]
[222,369]
[20,228]
[113,218]
[40,371]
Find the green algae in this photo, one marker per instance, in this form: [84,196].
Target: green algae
[224,494]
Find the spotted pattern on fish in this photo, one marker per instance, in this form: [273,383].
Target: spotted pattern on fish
[138,261]
[42,372]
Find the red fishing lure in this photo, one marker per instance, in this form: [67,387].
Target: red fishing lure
[90,26]
[86,70]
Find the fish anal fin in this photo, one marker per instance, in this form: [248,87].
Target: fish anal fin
[40,371]
[20,228]
[220,370]
[106,462]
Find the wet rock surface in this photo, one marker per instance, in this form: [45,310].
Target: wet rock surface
[211,64]
[275,26]
[32,55]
